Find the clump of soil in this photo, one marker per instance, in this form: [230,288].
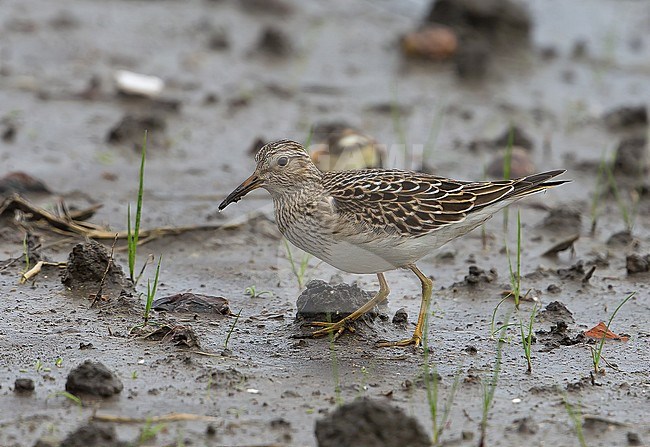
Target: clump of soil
[558,335]
[564,220]
[620,239]
[632,157]
[21,182]
[477,275]
[192,302]
[556,311]
[321,301]
[493,19]
[93,378]
[274,42]
[93,434]
[637,264]
[130,130]
[576,272]
[370,423]
[626,117]
[227,378]
[87,268]
[23,385]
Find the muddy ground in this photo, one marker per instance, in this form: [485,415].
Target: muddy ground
[236,71]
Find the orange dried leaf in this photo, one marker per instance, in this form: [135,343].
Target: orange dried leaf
[600,329]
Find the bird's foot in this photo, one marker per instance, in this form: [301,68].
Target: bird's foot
[415,341]
[332,329]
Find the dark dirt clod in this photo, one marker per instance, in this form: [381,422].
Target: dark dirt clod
[526,426]
[401,317]
[271,7]
[472,59]
[556,311]
[562,245]
[370,423]
[21,183]
[632,157]
[558,335]
[628,116]
[8,129]
[620,239]
[637,264]
[321,300]
[93,378]
[553,288]
[218,40]
[577,272]
[274,42]
[93,435]
[477,275]
[86,266]
[227,378]
[633,438]
[563,220]
[23,385]
[130,130]
[496,21]
[192,302]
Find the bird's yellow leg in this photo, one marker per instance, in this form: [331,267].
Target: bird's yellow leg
[340,326]
[427,290]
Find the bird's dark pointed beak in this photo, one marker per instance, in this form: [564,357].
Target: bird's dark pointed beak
[251,183]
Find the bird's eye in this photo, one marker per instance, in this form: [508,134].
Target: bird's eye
[282,161]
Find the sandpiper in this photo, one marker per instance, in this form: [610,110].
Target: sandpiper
[375,220]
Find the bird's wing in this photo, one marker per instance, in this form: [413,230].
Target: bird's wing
[410,203]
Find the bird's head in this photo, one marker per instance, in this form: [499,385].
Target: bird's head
[281,166]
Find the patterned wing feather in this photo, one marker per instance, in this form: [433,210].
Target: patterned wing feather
[415,204]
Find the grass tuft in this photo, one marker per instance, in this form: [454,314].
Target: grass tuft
[515,276]
[527,339]
[132,236]
[490,387]
[596,353]
[576,418]
[151,292]
[230,331]
[438,421]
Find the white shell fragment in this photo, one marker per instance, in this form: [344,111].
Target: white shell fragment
[138,84]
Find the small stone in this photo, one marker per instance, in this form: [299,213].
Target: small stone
[23,385]
[321,301]
[435,43]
